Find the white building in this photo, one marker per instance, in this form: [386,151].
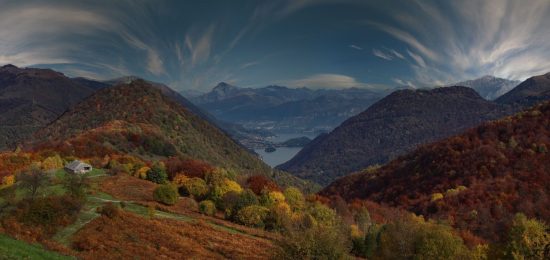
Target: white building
[79,167]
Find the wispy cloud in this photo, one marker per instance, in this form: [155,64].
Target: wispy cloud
[326,81]
[456,40]
[397,54]
[353,46]
[418,59]
[200,45]
[404,83]
[382,55]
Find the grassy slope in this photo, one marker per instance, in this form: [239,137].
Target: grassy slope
[206,236]
[15,249]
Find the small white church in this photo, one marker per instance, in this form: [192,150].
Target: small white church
[78,167]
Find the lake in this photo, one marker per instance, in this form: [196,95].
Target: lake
[282,154]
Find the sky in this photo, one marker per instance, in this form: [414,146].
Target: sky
[193,45]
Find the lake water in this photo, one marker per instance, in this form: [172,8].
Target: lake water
[282,154]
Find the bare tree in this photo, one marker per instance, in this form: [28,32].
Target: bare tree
[32,180]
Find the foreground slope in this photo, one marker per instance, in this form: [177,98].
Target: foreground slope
[31,98]
[477,180]
[137,118]
[391,127]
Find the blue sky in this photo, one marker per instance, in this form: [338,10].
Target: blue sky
[314,43]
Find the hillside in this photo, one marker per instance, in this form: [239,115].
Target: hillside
[389,128]
[237,132]
[489,87]
[32,98]
[529,92]
[477,180]
[282,109]
[137,118]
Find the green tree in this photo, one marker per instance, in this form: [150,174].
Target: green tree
[527,239]
[232,204]
[294,198]
[76,185]
[157,173]
[252,216]
[166,194]
[314,242]
[207,207]
[194,187]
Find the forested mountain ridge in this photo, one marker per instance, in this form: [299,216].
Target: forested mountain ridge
[476,181]
[391,127]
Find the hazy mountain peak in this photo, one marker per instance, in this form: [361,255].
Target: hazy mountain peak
[489,87]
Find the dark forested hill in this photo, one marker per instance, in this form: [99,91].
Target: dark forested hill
[391,127]
[137,118]
[31,98]
[529,92]
[477,180]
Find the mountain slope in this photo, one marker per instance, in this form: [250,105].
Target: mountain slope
[237,132]
[477,180]
[489,87]
[136,118]
[31,98]
[283,109]
[529,92]
[391,127]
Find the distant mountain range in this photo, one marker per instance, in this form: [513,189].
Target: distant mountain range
[475,181]
[32,98]
[489,87]
[391,127]
[282,109]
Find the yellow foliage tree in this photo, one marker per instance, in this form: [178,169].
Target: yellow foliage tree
[52,163]
[142,172]
[277,197]
[180,179]
[8,180]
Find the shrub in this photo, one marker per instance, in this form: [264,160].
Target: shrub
[294,198]
[258,183]
[48,213]
[207,207]
[279,217]
[252,216]
[166,194]
[245,199]
[142,172]
[437,196]
[194,187]
[221,188]
[109,210]
[270,198]
[191,168]
[324,215]
[179,179]
[157,174]
[315,242]
[412,237]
